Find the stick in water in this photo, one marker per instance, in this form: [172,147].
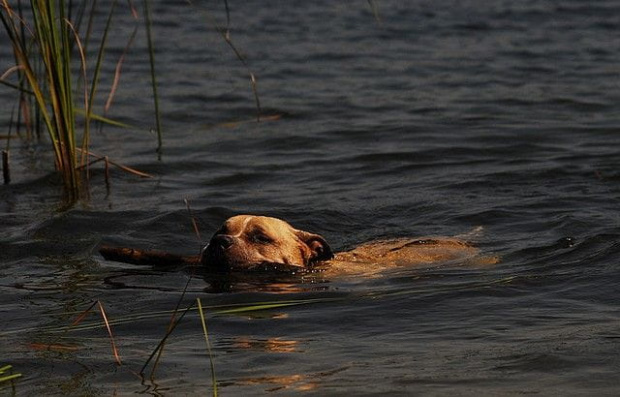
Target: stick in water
[146,257]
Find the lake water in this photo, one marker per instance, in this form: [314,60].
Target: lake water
[442,117]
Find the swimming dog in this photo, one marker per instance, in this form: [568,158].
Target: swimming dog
[251,242]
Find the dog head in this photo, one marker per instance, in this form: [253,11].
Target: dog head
[248,242]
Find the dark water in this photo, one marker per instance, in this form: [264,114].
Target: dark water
[443,117]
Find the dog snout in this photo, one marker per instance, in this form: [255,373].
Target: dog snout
[222,242]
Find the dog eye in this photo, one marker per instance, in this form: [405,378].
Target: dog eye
[261,238]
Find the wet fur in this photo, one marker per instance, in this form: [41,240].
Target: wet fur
[249,242]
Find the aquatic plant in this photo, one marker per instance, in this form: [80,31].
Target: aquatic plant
[148,24]
[43,53]
[47,47]
[51,42]
[6,378]
[208,343]
[43,57]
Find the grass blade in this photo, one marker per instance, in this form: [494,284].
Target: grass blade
[375,11]
[225,33]
[149,36]
[122,167]
[161,343]
[206,334]
[87,103]
[106,120]
[107,325]
[97,70]
[117,72]
[7,377]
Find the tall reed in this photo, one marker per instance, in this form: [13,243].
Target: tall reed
[45,45]
[48,43]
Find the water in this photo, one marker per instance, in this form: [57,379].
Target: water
[441,118]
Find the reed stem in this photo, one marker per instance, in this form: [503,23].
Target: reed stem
[6,170]
[149,37]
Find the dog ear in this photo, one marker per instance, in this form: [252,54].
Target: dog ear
[320,250]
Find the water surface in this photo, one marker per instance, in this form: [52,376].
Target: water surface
[439,119]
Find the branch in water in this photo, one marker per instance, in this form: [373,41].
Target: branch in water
[146,257]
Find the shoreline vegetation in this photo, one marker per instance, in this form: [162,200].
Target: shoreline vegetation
[55,83]
[56,76]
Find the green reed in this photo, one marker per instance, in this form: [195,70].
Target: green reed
[208,343]
[149,37]
[6,378]
[45,45]
[55,83]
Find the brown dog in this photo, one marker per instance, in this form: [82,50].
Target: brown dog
[248,242]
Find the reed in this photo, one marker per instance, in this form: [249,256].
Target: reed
[209,351]
[51,64]
[48,43]
[5,378]
[49,50]
[45,43]
[149,37]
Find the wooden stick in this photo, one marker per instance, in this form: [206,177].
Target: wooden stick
[146,257]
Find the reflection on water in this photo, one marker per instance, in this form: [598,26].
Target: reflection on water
[271,345]
[277,383]
[281,283]
[295,382]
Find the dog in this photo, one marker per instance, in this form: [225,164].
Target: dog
[250,242]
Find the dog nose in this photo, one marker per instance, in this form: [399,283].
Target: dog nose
[222,241]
